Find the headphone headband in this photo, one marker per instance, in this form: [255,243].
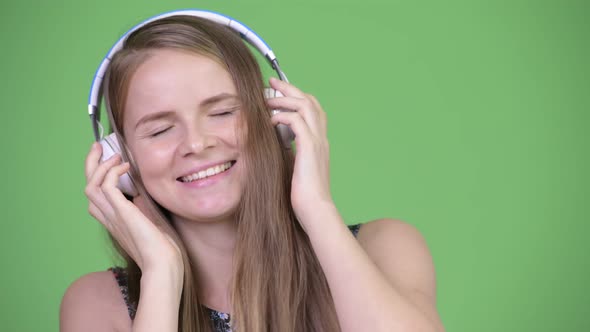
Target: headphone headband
[246,33]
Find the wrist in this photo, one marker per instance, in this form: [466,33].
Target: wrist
[172,276]
[323,218]
[312,208]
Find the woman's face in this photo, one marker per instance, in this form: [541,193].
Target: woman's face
[181,118]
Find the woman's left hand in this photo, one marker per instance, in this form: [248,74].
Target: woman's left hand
[310,187]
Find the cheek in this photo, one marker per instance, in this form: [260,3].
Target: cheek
[151,161]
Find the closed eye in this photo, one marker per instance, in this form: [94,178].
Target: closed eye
[222,113]
[226,112]
[160,132]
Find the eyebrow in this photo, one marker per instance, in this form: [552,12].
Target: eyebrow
[167,114]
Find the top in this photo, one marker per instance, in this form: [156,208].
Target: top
[219,320]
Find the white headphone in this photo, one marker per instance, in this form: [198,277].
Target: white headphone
[110,145]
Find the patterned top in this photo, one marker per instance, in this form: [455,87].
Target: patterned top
[219,320]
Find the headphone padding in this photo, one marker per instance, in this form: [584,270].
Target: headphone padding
[110,147]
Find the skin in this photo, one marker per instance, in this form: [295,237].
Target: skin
[389,265]
[195,135]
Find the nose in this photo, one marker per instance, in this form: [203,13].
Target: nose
[196,141]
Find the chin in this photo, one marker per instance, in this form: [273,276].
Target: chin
[208,210]
[212,217]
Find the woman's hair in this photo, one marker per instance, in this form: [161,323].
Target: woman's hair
[277,283]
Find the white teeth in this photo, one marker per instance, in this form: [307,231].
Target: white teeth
[208,172]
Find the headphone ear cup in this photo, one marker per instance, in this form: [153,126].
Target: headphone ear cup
[110,147]
[285,133]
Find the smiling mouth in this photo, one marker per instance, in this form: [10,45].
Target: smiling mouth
[211,171]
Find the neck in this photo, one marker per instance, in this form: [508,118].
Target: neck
[210,246]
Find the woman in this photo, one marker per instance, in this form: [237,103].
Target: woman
[228,224]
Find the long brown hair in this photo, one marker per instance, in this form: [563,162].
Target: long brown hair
[277,283]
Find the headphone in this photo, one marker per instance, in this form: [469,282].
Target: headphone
[110,144]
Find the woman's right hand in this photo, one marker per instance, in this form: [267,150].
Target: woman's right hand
[150,247]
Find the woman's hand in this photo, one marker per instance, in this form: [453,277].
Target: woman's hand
[150,248]
[310,187]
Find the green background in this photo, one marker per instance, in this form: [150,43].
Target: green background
[467,119]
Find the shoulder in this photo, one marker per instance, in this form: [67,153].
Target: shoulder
[391,233]
[93,302]
[400,249]
[401,253]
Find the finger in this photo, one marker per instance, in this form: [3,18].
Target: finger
[96,198]
[304,107]
[92,159]
[294,120]
[314,100]
[322,114]
[93,187]
[133,223]
[93,190]
[287,89]
[101,169]
[95,212]
[98,215]
[109,186]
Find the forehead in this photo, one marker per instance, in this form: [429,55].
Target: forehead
[174,79]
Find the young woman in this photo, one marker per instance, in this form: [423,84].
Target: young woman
[231,230]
